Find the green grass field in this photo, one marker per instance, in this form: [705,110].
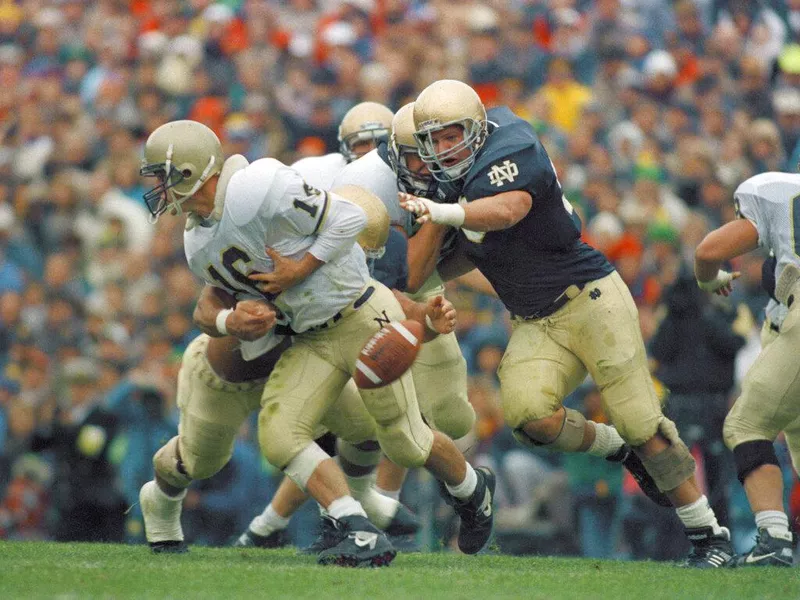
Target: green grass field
[47,570]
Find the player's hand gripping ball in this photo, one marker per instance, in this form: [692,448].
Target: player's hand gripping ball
[388,354]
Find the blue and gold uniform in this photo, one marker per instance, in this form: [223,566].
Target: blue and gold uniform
[532,263]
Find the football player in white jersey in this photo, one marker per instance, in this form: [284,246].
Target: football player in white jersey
[768,207]
[440,371]
[361,129]
[273,234]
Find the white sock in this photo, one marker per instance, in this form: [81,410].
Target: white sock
[393,494]
[268,522]
[345,506]
[380,509]
[775,522]
[698,514]
[466,488]
[606,440]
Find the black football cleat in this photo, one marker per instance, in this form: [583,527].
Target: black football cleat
[404,522]
[709,551]
[169,547]
[476,513]
[631,461]
[250,539]
[327,536]
[769,551]
[359,544]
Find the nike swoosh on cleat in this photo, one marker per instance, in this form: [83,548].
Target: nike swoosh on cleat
[754,559]
[486,505]
[364,539]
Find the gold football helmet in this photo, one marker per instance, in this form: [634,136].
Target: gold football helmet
[444,103]
[402,143]
[365,122]
[373,237]
[183,155]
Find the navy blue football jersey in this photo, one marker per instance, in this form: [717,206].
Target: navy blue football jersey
[533,262]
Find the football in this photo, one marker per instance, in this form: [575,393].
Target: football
[388,354]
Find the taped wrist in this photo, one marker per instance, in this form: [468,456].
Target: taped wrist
[222,320]
[749,456]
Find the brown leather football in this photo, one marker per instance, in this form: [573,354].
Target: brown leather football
[388,354]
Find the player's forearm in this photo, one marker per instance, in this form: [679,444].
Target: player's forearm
[495,213]
[423,252]
[729,241]
[211,301]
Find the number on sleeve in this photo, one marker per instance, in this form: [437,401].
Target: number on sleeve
[300,205]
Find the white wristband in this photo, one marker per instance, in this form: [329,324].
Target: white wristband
[222,318]
[722,279]
[429,323]
[448,214]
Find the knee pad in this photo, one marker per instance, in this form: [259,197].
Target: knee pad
[365,454]
[455,419]
[304,463]
[169,466]
[404,447]
[751,455]
[279,440]
[673,466]
[569,439]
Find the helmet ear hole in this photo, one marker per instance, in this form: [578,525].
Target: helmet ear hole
[186,173]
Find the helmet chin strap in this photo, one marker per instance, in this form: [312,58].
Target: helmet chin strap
[178,198]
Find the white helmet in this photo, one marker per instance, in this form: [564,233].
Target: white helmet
[444,103]
[368,121]
[183,155]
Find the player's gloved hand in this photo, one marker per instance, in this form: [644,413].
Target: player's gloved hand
[722,284]
[286,273]
[428,210]
[440,315]
[250,320]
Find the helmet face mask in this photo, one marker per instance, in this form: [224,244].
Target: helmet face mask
[473,136]
[182,156]
[450,128]
[402,146]
[367,138]
[408,180]
[362,128]
[159,198]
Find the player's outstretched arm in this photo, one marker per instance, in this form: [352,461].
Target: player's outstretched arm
[729,241]
[423,252]
[492,213]
[438,315]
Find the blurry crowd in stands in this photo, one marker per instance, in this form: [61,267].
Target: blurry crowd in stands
[653,111]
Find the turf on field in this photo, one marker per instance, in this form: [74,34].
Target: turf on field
[46,570]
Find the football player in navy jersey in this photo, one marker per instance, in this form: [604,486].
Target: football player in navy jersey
[571,312]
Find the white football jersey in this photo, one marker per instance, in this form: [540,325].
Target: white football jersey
[771,202]
[320,171]
[267,204]
[372,173]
